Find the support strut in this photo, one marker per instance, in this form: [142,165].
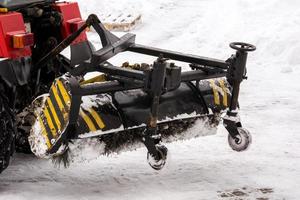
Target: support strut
[151,139]
[235,75]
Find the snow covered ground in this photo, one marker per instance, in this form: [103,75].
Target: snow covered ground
[202,168]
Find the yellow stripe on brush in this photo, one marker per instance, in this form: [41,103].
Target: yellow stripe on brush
[44,132]
[52,110]
[63,91]
[88,121]
[97,118]
[49,121]
[57,98]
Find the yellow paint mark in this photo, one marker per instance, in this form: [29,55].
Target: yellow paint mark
[63,91]
[222,84]
[49,121]
[100,78]
[215,91]
[52,110]
[88,121]
[97,118]
[44,132]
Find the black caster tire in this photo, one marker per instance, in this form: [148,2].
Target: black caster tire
[242,141]
[7,135]
[160,163]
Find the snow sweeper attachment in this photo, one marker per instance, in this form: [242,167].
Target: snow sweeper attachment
[145,103]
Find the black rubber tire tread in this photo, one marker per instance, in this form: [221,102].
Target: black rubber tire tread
[7,135]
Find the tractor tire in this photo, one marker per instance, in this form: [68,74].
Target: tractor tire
[7,134]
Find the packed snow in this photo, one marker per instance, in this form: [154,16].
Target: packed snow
[206,167]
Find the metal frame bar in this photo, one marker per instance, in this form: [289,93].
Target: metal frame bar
[137,48]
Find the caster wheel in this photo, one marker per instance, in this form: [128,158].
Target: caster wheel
[241,142]
[160,163]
